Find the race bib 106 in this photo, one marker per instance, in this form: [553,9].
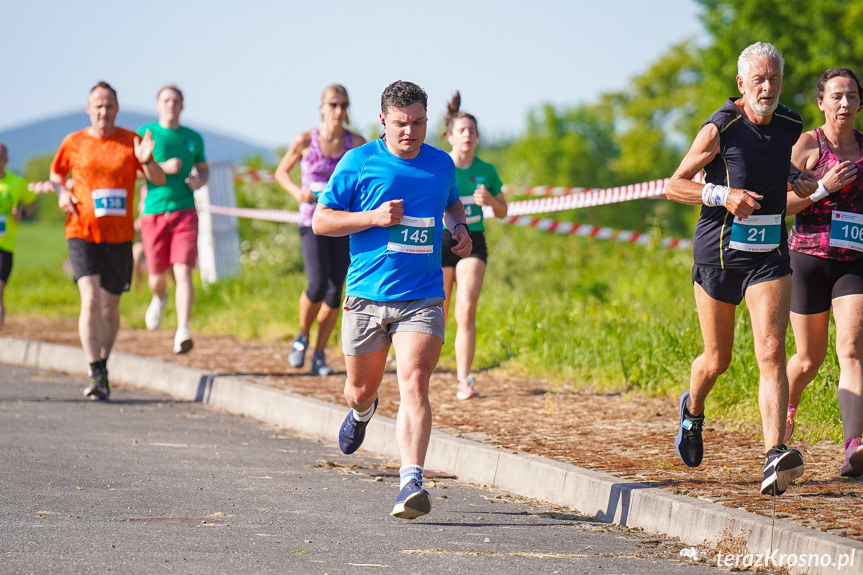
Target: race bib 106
[412,236]
[846,230]
[756,233]
[110,202]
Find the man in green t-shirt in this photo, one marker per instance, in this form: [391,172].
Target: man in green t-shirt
[16,203]
[169,222]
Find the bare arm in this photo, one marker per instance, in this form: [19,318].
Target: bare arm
[199,176]
[289,160]
[805,155]
[330,222]
[453,216]
[681,188]
[484,197]
[144,153]
[21,211]
[65,199]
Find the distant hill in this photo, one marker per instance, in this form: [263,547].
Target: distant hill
[44,137]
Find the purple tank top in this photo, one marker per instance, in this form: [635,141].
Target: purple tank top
[810,233]
[315,171]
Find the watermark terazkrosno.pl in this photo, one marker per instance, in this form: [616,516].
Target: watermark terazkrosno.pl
[775,558]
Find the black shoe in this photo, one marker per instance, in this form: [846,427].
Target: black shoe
[97,386]
[781,467]
[689,445]
[353,432]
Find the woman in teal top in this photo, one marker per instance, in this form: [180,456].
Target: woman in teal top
[479,186]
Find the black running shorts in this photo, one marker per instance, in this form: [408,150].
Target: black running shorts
[449,259]
[729,285]
[111,262]
[818,281]
[5,266]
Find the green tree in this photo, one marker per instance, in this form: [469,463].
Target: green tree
[812,36]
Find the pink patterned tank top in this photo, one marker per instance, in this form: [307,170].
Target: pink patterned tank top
[315,170]
[810,233]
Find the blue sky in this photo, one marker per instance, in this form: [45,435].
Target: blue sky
[256,69]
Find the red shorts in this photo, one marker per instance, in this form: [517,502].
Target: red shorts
[170,238]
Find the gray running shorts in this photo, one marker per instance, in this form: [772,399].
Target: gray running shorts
[367,326]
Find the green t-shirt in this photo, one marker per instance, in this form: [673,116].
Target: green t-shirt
[13,192]
[468,180]
[181,143]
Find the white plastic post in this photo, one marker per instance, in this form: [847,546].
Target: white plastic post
[218,237]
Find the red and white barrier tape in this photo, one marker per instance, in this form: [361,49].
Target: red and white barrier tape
[46,187]
[586,230]
[244,174]
[541,190]
[591,198]
[266,215]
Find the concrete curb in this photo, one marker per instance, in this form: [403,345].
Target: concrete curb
[600,495]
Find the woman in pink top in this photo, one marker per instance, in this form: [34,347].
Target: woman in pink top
[826,244]
[326,259]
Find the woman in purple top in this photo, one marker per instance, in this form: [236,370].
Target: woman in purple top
[826,244]
[326,259]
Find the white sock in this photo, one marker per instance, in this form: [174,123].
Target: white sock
[409,472]
[366,415]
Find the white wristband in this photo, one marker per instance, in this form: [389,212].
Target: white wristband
[713,195]
[820,193]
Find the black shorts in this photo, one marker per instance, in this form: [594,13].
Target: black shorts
[5,265]
[729,285]
[449,259]
[818,281]
[111,262]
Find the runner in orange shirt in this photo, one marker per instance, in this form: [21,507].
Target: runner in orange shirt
[104,160]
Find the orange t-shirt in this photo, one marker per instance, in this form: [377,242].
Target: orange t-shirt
[104,172]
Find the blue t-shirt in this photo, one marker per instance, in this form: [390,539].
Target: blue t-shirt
[401,262]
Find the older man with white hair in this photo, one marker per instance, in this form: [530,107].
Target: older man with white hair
[741,251]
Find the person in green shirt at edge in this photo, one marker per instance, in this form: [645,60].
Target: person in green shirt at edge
[169,222]
[478,186]
[16,203]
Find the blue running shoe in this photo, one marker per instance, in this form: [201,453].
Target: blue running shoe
[353,432]
[412,501]
[689,445]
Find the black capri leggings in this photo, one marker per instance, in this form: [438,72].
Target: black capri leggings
[326,260]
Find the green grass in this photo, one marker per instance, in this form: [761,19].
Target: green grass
[577,312]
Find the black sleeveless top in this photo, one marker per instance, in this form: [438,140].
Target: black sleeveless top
[755,157]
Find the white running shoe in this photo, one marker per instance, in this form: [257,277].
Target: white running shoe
[182,340]
[155,312]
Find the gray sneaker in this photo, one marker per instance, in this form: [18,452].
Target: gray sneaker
[298,356]
[97,386]
[319,365]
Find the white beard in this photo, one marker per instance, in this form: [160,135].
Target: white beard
[760,109]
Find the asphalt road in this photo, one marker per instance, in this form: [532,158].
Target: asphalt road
[146,484]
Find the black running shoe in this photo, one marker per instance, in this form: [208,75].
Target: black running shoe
[97,386]
[353,432]
[412,501]
[781,467]
[689,445]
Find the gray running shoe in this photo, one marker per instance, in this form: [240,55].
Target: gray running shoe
[97,386]
[298,356]
[319,365]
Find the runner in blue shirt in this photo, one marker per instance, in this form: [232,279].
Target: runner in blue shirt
[392,197]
